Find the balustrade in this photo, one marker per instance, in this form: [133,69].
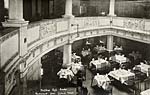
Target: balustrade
[40,32]
[132,24]
[86,23]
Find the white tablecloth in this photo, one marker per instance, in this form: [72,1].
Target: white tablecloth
[121,75]
[76,67]
[99,63]
[65,73]
[120,59]
[144,68]
[146,92]
[101,81]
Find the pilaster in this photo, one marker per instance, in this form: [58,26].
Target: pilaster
[110,43]
[67,53]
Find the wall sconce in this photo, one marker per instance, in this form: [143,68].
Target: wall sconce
[77,25]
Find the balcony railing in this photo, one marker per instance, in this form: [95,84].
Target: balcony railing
[46,28]
[41,31]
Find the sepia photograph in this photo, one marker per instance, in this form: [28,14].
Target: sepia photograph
[74,47]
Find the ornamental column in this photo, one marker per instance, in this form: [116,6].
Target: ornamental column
[67,54]
[68,9]
[112,8]
[110,43]
[16,10]
[15,18]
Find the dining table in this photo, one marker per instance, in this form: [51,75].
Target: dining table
[121,75]
[98,64]
[65,74]
[76,67]
[146,92]
[102,81]
[121,59]
[143,68]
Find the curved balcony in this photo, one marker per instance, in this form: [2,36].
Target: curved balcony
[46,35]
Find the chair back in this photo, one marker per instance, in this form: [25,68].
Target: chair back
[131,78]
[137,68]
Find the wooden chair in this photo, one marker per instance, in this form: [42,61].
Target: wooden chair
[137,68]
[147,80]
[130,81]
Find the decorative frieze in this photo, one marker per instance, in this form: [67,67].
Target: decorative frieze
[47,29]
[135,24]
[92,22]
